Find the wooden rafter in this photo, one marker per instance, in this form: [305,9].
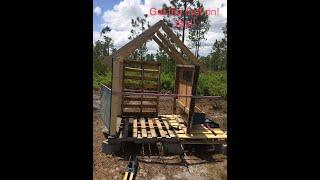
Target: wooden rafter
[137,42]
[166,49]
[171,47]
[183,47]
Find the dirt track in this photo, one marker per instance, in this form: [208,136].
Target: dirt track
[200,167]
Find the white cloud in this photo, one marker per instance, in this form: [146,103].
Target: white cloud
[119,20]
[97,10]
[96,36]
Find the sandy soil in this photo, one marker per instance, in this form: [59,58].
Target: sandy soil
[154,167]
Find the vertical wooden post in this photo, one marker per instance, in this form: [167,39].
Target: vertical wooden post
[116,99]
[192,102]
[157,111]
[176,90]
[141,84]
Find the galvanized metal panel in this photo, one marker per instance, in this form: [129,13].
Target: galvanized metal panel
[105,109]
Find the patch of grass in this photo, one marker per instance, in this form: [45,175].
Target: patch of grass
[213,83]
[98,79]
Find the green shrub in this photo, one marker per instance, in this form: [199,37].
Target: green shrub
[213,83]
[101,79]
[167,82]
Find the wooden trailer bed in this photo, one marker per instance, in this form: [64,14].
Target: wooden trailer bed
[166,128]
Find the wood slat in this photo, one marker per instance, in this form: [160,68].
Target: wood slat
[139,91]
[140,78]
[218,131]
[201,136]
[151,86]
[135,128]
[153,132]
[162,133]
[138,106]
[131,176]
[146,114]
[148,63]
[125,177]
[183,47]
[139,70]
[171,133]
[143,128]
[127,98]
[172,48]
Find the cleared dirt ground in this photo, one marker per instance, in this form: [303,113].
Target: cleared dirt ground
[200,166]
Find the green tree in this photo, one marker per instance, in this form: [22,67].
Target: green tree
[198,30]
[178,4]
[138,26]
[218,56]
[108,42]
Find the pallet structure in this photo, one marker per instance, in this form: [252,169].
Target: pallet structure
[134,96]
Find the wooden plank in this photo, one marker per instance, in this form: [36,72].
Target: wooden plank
[182,106]
[218,131]
[179,131]
[151,86]
[131,176]
[185,66]
[172,48]
[193,101]
[116,99]
[180,120]
[166,49]
[138,106]
[139,91]
[171,133]
[153,132]
[201,136]
[162,133]
[127,98]
[183,47]
[143,128]
[147,114]
[131,69]
[125,177]
[140,78]
[135,128]
[147,63]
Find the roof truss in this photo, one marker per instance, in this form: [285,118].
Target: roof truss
[164,43]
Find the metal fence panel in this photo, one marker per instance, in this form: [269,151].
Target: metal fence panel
[105,109]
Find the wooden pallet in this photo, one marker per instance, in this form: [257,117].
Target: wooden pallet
[199,131]
[140,76]
[168,128]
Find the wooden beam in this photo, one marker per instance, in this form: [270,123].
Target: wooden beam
[171,48]
[137,42]
[185,66]
[166,49]
[116,99]
[183,47]
[193,102]
[146,63]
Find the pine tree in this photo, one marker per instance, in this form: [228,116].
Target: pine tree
[138,26]
[198,30]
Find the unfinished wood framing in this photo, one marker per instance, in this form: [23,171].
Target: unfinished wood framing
[136,117]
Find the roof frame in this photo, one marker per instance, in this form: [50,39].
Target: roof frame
[164,43]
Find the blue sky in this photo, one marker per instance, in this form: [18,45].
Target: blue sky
[104,5]
[117,14]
